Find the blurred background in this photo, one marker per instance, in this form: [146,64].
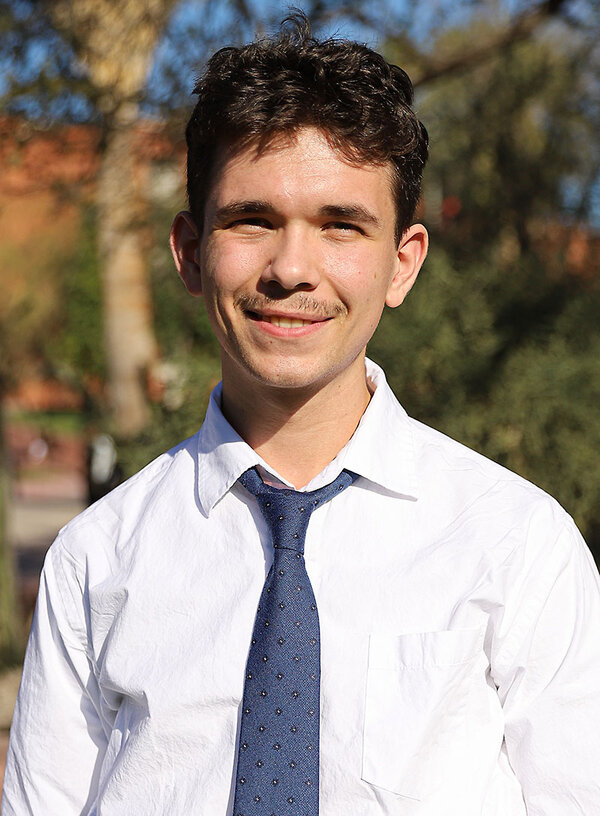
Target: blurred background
[105,362]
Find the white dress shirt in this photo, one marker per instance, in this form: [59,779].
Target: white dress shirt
[460,629]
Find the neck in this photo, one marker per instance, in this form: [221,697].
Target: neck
[297,431]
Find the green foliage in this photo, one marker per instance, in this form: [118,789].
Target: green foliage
[74,348]
[505,140]
[176,417]
[49,423]
[180,321]
[527,396]
[11,631]
[427,345]
[29,306]
[51,312]
[498,345]
[190,366]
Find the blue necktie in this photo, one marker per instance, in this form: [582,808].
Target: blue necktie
[278,761]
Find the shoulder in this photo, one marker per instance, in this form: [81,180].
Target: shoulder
[478,499]
[450,480]
[455,460]
[167,481]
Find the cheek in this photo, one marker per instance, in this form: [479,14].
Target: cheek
[362,277]
[350,269]
[229,268]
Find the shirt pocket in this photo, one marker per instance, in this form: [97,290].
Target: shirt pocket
[416,708]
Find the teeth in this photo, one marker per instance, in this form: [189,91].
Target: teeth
[288,322]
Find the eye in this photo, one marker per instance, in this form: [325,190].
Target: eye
[344,227]
[250,224]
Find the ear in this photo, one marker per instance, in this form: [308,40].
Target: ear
[411,254]
[185,246]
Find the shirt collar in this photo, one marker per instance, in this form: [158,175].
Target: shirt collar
[380,450]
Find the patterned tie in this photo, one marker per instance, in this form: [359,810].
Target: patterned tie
[278,761]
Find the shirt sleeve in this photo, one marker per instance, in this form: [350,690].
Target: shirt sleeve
[57,741]
[547,670]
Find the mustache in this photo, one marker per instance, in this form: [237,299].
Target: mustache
[298,302]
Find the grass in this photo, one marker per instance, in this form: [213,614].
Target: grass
[49,422]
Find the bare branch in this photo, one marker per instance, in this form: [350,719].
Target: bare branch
[520,28]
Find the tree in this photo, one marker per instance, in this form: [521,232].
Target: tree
[97,62]
[27,309]
[498,344]
[115,42]
[494,322]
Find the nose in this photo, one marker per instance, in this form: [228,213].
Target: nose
[292,264]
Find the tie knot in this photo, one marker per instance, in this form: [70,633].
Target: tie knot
[287,512]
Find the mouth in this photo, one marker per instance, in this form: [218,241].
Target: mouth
[298,314]
[283,322]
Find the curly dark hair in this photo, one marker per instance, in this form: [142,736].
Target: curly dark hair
[278,85]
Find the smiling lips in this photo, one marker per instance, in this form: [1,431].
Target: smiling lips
[287,322]
[300,311]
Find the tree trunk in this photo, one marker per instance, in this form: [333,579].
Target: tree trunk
[128,321]
[115,41]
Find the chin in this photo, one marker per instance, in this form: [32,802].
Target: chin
[292,379]
[297,375]
[280,371]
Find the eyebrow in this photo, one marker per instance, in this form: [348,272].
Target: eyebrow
[242,208]
[354,212]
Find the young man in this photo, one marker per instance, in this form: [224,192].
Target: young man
[426,638]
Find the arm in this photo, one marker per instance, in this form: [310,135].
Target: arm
[57,741]
[547,670]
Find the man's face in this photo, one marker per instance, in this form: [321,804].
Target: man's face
[296,260]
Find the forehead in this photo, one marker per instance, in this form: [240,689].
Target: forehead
[302,166]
